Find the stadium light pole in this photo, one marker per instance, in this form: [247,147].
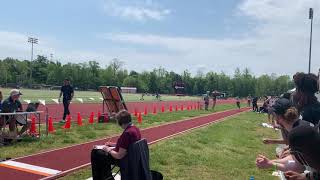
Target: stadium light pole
[32,41]
[310,47]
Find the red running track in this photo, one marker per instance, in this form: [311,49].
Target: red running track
[56,110]
[74,157]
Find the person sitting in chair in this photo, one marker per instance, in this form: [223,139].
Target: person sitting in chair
[11,105]
[103,158]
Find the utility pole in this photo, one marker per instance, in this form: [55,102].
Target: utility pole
[310,47]
[32,41]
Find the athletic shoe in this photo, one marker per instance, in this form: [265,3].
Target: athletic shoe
[62,121]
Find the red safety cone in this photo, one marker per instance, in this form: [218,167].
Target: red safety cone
[51,128]
[181,107]
[135,112]
[176,107]
[162,108]
[68,122]
[170,108]
[145,111]
[91,118]
[33,129]
[154,110]
[139,118]
[79,119]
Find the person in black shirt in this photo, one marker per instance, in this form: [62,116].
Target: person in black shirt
[67,92]
[255,104]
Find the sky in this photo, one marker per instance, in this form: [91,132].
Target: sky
[266,36]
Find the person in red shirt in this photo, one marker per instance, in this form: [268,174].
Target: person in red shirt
[103,158]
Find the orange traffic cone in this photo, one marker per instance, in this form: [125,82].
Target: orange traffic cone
[33,129]
[91,118]
[51,128]
[139,118]
[181,107]
[135,112]
[162,108]
[176,107]
[170,108]
[154,110]
[79,119]
[145,111]
[68,122]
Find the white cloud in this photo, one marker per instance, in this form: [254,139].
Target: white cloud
[135,10]
[277,43]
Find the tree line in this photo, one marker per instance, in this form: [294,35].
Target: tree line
[90,75]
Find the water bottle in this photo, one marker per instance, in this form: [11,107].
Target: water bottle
[251,178]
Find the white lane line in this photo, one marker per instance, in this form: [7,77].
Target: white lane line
[29,167]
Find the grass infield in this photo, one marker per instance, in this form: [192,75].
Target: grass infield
[223,151]
[79,134]
[48,95]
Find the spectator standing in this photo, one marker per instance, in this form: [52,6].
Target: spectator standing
[67,93]
[206,101]
[249,100]
[255,104]
[214,101]
[238,102]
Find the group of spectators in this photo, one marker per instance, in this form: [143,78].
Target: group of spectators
[297,115]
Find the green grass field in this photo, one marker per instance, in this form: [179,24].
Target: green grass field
[223,151]
[48,95]
[76,134]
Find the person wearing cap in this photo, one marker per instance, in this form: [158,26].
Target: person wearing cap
[11,105]
[68,93]
[287,116]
